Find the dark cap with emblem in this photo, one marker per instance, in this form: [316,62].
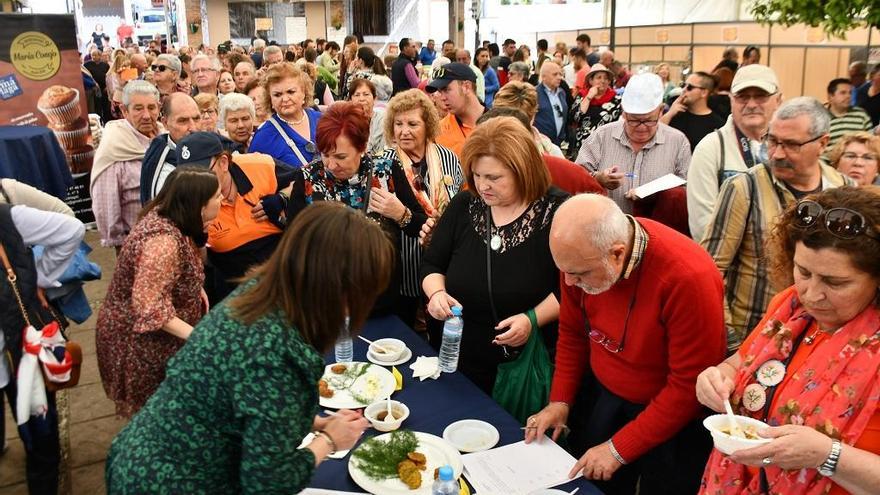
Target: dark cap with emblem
[199,148]
[445,74]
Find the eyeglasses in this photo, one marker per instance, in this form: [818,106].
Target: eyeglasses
[634,123]
[558,110]
[159,68]
[760,99]
[202,71]
[840,222]
[691,87]
[209,111]
[611,345]
[790,147]
[865,158]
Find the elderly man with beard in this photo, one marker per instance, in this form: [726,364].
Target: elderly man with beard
[180,116]
[750,203]
[640,314]
[116,172]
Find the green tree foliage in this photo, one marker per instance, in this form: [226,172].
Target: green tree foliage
[836,17]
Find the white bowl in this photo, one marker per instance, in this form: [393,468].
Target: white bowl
[728,444]
[394,346]
[375,409]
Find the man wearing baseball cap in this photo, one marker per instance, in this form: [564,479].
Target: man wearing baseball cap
[735,147]
[255,188]
[638,148]
[456,83]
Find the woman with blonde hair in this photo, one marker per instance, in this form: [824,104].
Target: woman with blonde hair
[209,108]
[433,172]
[115,82]
[662,70]
[490,252]
[524,97]
[856,155]
[289,134]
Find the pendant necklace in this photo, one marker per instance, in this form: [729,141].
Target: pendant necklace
[495,241]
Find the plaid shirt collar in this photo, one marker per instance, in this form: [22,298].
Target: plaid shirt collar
[640,244]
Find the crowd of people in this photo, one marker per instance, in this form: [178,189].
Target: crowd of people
[264,199]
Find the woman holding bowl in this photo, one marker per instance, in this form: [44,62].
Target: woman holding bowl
[433,172]
[289,134]
[856,155]
[240,396]
[811,368]
[505,216]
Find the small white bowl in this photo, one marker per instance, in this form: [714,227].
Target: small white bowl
[378,408]
[394,346]
[728,444]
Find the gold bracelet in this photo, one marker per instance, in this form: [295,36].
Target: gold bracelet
[405,219]
[323,434]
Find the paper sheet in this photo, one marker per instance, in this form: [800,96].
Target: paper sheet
[668,181]
[518,468]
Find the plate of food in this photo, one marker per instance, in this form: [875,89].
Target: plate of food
[354,385]
[402,462]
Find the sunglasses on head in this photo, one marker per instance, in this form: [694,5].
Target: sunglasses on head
[840,222]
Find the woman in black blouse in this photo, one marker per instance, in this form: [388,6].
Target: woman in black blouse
[509,189]
[346,173]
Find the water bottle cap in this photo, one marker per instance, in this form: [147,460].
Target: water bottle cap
[456,311]
[446,473]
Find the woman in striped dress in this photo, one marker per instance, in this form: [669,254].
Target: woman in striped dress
[434,174]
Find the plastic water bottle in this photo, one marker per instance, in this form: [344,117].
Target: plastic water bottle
[451,341]
[344,348]
[445,483]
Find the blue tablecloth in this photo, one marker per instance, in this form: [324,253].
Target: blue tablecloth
[433,404]
[31,154]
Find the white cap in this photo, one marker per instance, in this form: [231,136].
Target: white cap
[643,94]
[755,76]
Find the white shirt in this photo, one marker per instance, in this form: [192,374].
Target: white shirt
[556,107]
[60,235]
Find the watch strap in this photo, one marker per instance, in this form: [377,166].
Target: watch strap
[829,467]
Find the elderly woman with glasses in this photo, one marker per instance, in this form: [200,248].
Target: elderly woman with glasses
[811,368]
[209,108]
[856,156]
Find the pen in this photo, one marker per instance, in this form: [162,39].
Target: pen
[630,175]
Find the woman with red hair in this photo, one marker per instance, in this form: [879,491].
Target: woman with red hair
[346,173]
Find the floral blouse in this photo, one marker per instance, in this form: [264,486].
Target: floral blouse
[595,116]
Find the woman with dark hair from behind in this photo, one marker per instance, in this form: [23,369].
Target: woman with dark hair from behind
[156,294]
[243,391]
[369,66]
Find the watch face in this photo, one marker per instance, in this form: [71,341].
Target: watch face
[825,472]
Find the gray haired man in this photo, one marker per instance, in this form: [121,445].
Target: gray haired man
[750,203]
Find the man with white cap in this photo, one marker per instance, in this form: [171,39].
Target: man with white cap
[638,148]
[734,148]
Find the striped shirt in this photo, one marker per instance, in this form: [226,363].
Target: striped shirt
[855,119]
[668,152]
[410,250]
[744,215]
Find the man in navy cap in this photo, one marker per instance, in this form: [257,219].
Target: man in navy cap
[456,83]
[255,190]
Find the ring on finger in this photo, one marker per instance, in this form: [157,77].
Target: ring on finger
[532,420]
[767,461]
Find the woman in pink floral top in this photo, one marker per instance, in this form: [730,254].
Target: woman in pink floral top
[811,369]
[156,294]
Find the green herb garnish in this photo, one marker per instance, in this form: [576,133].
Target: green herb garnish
[346,379]
[378,459]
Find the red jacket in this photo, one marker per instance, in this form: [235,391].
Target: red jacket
[571,177]
[675,331]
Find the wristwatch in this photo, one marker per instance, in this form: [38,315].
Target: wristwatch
[828,467]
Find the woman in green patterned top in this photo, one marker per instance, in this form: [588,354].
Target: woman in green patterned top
[239,396]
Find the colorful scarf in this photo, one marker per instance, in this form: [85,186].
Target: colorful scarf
[835,391]
[435,200]
[321,185]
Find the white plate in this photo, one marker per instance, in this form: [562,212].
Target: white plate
[311,436]
[377,383]
[438,453]
[471,435]
[405,356]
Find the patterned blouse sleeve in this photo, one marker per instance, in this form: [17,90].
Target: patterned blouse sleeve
[151,294]
[275,408]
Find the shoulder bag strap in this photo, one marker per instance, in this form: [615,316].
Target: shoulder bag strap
[12,278]
[489,273]
[289,142]
[721,161]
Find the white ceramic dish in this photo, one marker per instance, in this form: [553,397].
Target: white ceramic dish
[376,382]
[405,356]
[398,408]
[727,444]
[471,435]
[438,452]
[394,347]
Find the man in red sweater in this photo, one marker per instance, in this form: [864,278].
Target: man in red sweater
[642,305]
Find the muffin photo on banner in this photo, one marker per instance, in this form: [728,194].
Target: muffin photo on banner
[41,84]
